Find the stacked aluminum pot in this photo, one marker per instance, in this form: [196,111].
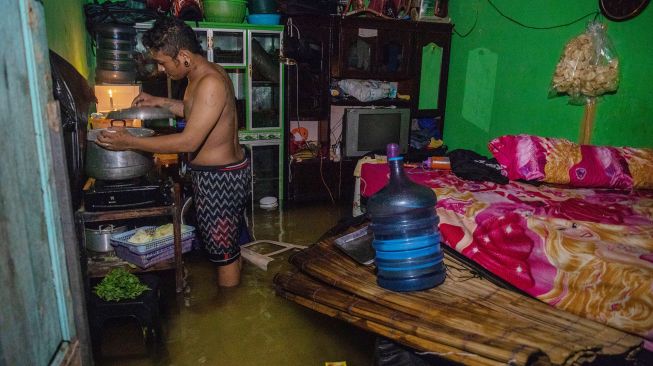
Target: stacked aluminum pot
[115,54]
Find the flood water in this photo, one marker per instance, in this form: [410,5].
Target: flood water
[249,324]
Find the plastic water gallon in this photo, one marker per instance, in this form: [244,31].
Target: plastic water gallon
[406,235]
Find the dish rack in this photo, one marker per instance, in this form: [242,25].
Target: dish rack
[122,239]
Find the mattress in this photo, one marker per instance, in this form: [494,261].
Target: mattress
[586,251]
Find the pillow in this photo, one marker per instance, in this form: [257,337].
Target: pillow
[640,165]
[560,161]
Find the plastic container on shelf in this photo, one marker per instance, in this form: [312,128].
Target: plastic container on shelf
[122,239]
[159,255]
[225,11]
[264,19]
[262,6]
[405,227]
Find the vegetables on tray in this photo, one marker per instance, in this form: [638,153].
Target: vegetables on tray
[142,236]
[119,285]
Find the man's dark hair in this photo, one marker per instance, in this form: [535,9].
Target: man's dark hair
[170,35]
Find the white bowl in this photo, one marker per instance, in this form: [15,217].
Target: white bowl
[268,201]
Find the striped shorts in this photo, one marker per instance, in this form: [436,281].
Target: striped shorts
[220,194]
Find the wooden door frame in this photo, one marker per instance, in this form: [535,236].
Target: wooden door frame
[37,213]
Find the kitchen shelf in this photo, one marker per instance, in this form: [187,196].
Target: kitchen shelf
[98,269]
[376,103]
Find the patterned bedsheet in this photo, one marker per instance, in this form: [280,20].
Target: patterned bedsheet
[587,251]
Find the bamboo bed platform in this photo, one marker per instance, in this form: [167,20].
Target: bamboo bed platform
[468,319]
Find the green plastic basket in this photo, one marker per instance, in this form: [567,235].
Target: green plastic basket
[225,11]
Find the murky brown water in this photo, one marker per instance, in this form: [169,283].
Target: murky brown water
[247,325]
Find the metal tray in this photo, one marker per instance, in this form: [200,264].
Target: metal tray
[358,245]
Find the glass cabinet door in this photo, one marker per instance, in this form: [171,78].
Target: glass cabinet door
[265,170]
[203,38]
[239,82]
[228,47]
[394,53]
[265,80]
[358,51]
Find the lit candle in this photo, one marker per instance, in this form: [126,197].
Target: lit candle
[110,99]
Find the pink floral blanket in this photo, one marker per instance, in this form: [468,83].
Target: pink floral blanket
[587,251]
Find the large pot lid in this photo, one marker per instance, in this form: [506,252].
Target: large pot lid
[143,113]
[138,132]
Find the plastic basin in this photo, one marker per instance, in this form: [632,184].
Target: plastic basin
[264,19]
[225,11]
[262,6]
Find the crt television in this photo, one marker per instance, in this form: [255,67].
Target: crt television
[371,129]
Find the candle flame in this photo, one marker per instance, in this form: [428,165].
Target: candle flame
[110,93]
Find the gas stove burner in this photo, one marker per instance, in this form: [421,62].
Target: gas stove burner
[127,194]
[109,184]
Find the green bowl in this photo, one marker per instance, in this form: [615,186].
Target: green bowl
[225,11]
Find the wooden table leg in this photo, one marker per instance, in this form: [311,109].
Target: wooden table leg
[176,224]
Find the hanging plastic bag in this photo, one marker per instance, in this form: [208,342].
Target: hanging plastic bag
[588,67]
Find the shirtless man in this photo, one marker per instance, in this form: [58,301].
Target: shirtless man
[220,171]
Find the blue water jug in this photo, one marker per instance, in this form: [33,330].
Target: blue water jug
[406,235]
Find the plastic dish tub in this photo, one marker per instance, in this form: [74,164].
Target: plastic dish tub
[264,19]
[151,258]
[122,239]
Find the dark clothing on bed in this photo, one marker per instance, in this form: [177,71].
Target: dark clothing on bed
[469,165]
[220,194]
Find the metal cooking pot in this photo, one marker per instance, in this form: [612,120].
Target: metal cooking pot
[117,165]
[99,240]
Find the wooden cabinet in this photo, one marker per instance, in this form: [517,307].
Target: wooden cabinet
[327,49]
[331,48]
[315,180]
[308,44]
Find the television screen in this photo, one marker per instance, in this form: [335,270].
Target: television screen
[372,129]
[375,131]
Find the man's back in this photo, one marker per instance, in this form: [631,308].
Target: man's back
[212,90]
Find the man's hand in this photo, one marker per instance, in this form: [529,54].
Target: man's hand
[145,100]
[115,138]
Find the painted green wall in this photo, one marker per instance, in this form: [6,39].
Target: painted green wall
[67,36]
[500,75]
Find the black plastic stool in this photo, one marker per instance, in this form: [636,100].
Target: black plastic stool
[144,308]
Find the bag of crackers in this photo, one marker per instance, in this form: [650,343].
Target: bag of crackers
[588,67]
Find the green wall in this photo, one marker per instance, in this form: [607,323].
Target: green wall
[500,75]
[67,36]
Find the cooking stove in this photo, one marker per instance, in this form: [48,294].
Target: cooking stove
[139,192]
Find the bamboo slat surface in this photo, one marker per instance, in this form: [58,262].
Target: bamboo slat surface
[467,316]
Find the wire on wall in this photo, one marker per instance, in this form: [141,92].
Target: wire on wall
[595,13]
[470,29]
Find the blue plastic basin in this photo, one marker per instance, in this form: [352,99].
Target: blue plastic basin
[264,19]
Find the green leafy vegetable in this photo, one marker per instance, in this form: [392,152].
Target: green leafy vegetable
[119,285]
